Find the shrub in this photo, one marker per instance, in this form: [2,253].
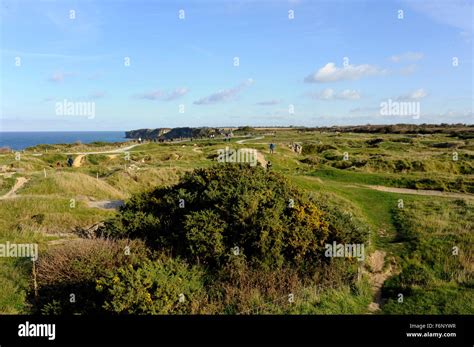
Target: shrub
[73,268]
[164,286]
[226,206]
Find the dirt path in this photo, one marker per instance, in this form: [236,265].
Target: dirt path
[78,160]
[377,276]
[20,182]
[421,192]
[118,150]
[245,140]
[80,155]
[260,157]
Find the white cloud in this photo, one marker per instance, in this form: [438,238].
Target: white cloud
[163,95]
[348,94]
[154,95]
[331,73]
[176,94]
[413,96]
[224,95]
[330,94]
[407,56]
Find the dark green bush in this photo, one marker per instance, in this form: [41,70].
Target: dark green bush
[163,286]
[227,206]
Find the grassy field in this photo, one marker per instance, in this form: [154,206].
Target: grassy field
[418,237]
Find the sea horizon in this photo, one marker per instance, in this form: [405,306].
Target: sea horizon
[19,140]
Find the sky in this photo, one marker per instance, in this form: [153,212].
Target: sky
[148,63]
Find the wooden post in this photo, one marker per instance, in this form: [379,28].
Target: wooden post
[35,284]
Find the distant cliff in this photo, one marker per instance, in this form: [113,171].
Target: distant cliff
[173,133]
[146,133]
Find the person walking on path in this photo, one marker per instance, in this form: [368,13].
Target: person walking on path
[272,148]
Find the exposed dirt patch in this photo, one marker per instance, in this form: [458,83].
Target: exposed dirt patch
[261,159]
[78,160]
[421,192]
[118,150]
[245,140]
[377,275]
[20,182]
[260,156]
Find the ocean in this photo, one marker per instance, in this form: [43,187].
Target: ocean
[21,140]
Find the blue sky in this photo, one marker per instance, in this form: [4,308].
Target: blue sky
[188,64]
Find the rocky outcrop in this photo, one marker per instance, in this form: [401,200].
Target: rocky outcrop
[174,133]
[146,133]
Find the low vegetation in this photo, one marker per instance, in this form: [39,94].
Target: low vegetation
[235,239]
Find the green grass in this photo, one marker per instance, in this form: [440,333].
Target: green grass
[14,285]
[373,205]
[51,215]
[434,278]
[15,273]
[345,300]
[6,184]
[412,181]
[418,237]
[438,300]
[310,300]
[70,184]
